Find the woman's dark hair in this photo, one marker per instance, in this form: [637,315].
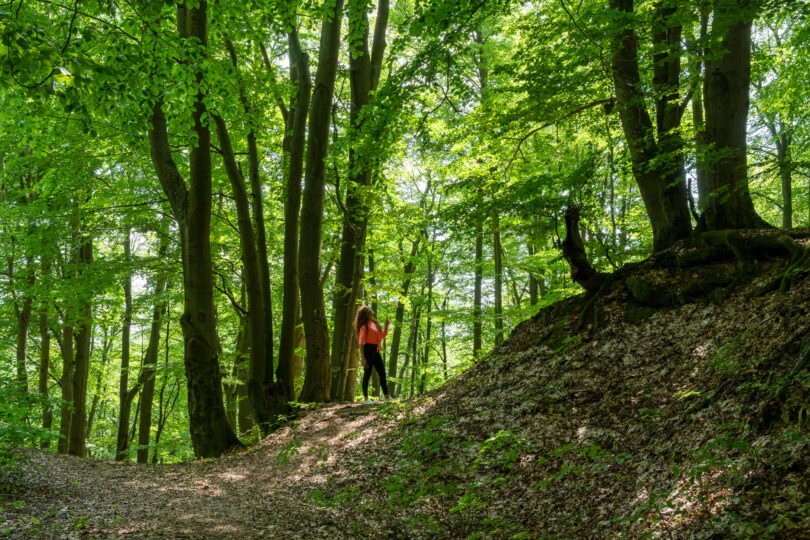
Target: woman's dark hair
[364,315]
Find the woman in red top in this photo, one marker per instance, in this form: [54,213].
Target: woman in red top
[371,337]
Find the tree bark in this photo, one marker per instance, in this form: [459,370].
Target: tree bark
[400,315]
[363,77]
[727,86]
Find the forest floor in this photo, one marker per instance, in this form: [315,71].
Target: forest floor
[688,420]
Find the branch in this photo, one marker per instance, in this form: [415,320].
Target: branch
[608,104]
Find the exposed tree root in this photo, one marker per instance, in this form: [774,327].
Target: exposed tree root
[747,249]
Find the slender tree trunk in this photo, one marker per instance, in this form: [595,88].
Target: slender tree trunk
[23,325]
[100,388]
[44,360]
[294,153]
[257,209]
[210,432]
[259,391]
[242,371]
[81,366]
[426,353]
[444,339]
[727,86]
[124,405]
[532,279]
[498,259]
[479,276]
[317,380]
[151,358]
[400,315]
[783,152]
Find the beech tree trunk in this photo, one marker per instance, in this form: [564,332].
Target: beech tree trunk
[44,360]
[259,391]
[317,380]
[294,144]
[398,318]
[727,86]
[210,432]
[498,259]
[657,165]
[363,76]
[151,358]
[479,276]
[81,366]
[124,404]
[67,385]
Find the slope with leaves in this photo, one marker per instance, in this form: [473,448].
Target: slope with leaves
[688,420]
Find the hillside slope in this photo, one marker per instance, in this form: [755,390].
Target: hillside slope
[684,420]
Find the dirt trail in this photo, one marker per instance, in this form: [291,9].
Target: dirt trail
[258,493]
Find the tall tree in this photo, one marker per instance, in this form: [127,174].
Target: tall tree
[317,380]
[364,75]
[124,403]
[294,146]
[657,162]
[726,92]
[211,434]
[150,359]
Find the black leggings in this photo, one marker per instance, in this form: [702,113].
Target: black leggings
[373,360]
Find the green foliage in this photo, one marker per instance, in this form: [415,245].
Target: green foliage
[18,411]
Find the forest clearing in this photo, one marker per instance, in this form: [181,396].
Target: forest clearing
[410,269]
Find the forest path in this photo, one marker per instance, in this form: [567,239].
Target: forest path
[263,492]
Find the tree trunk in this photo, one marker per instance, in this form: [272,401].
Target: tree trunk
[786,176]
[426,354]
[81,366]
[259,391]
[67,385]
[657,166]
[317,380]
[400,315]
[44,361]
[151,358]
[479,276]
[498,259]
[210,432]
[100,388]
[727,85]
[532,279]
[124,405]
[363,76]
[23,325]
[294,144]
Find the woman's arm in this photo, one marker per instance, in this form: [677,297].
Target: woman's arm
[362,336]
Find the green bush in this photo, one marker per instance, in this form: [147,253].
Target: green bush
[18,412]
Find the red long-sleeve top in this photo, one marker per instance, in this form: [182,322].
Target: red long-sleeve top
[372,334]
